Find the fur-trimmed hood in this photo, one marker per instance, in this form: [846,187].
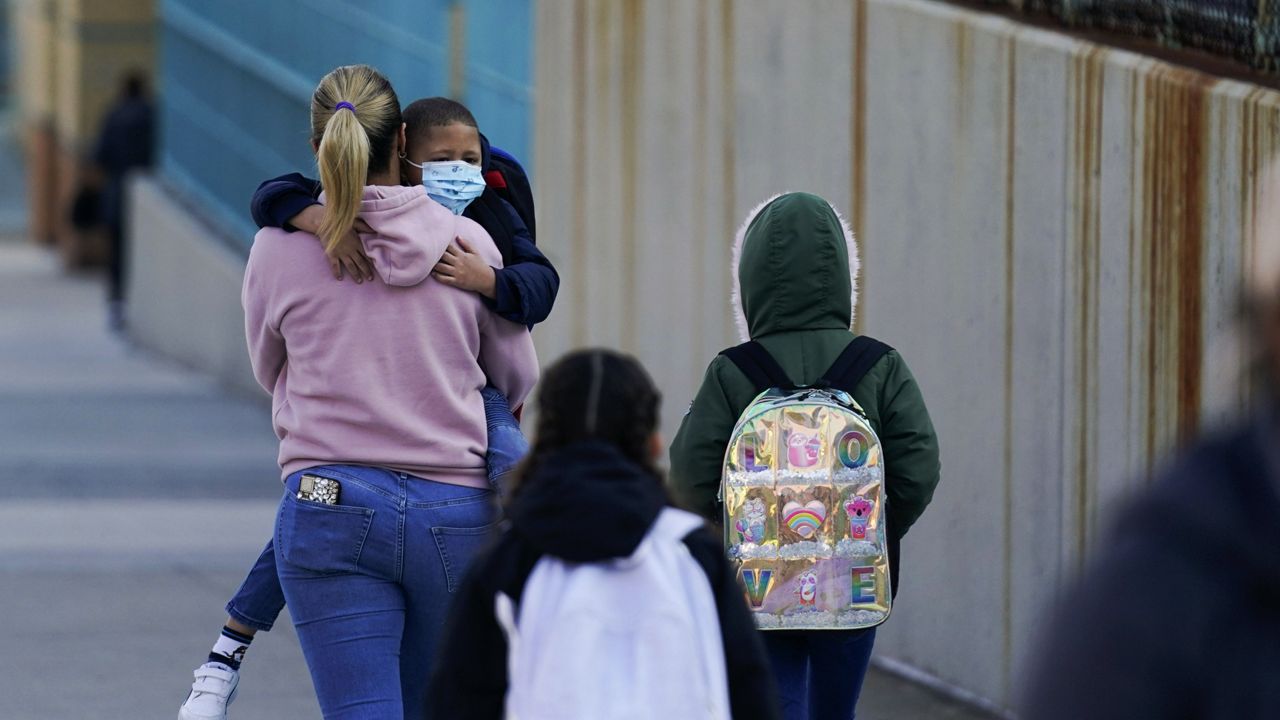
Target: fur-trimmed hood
[795,267]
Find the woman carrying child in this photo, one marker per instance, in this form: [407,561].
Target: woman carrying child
[377,403]
[440,134]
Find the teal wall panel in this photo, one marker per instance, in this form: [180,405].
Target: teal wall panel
[236,78]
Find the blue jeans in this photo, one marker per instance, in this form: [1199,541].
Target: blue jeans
[368,582]
[259,600]
[507,444]
[819,672]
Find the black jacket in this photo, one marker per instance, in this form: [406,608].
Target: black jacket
[1180,617]
[586,503]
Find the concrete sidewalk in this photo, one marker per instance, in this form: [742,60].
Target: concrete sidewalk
[133,498]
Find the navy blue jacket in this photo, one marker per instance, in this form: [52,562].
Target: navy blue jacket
[125,143]
[525,290]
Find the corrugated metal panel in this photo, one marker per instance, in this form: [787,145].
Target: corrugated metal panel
[1053,234]
[237,78]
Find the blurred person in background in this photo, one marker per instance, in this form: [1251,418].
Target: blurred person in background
[125,144]
[1179,616]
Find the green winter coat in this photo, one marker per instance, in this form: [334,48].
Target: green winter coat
[794,264]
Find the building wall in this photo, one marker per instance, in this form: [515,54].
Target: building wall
[35,81]
[96,44]
[1053,234]
[183,297]
[72,57]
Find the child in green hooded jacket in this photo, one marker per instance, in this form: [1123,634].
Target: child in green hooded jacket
[794,267]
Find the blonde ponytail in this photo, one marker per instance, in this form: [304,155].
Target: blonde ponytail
[355,118]
[343,160]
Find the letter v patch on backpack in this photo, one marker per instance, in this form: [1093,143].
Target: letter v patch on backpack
[803,492]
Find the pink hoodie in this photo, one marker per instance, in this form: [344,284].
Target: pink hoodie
[387,373]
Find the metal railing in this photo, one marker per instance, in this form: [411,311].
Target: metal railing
[1247,31]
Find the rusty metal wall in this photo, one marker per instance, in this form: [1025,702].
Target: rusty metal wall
[1053,234]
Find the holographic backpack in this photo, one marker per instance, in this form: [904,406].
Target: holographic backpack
[803,493]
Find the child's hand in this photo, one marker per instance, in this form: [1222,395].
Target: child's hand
[463,268]
[349,252]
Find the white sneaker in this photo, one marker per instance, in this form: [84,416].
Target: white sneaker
[214,689]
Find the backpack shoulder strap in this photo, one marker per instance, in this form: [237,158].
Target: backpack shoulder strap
[673,524]
[853,364]
[758,365]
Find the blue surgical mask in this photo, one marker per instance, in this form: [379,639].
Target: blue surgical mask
[453,184]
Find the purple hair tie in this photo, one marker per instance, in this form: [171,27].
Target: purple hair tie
[344,104]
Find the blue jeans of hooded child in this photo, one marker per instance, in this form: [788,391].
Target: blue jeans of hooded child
[259,600]
[819,672]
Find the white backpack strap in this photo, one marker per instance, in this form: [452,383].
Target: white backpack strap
[674,524]
[670,529]
[505,611]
